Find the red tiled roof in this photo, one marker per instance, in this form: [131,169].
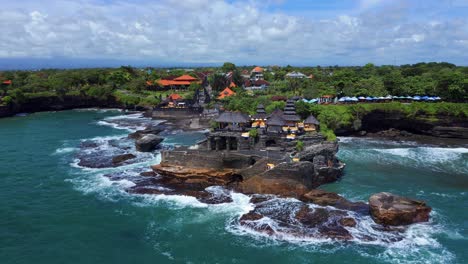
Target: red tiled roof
[149,83]
[232,85]
[257,69]
[226,93]
[174,97]
[8,82]
[249,83]
[171,82]
[186,78]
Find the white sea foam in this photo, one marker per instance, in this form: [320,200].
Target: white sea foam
[175,201]
[130,122]
[64,150]
[427,153]
[99,110]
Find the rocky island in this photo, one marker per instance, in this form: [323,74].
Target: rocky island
[272,157]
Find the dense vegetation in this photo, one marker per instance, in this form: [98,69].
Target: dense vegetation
[127,86]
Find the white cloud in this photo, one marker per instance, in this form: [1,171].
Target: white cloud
[216,31]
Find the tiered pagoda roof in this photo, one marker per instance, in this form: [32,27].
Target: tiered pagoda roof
[290,112]
[261,114]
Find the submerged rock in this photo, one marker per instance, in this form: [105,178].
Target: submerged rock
[122,158]
[391,209]
[148,143]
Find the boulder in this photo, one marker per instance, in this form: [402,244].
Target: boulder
[121,158]
[391,209]
[148,143]
[149,130]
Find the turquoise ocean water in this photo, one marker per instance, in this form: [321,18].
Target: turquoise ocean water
[52,210]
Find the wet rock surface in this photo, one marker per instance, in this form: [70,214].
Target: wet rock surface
[121,158]
[280,217]
[391,209]
[148,143]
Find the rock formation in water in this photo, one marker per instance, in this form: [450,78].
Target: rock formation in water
[391,209]
[148,143]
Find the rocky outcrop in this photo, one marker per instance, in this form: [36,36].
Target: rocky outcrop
[391,209]
[201,176]
[325,198]
[256,174]
[379,120]
[285,179]
[119,159]
[297,219]
[148,143]
[155,130]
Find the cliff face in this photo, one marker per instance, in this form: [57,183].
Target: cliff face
[438,126]
[250,173]
[55,103]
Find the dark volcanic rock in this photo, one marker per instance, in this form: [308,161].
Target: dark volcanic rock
[348,221]
[391,209]
[148,174]
[296,219]
[121,158]
[148,143]
[327,150]
[150,130]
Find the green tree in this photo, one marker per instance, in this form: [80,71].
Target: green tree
[227,67]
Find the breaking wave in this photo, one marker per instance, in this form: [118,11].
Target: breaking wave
[454,159]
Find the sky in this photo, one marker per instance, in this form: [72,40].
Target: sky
[87,33]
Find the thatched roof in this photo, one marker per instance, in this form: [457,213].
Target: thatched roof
[261,114]
[290,112]
[275,120]
[291,117]
[311,120]
[277,111]
[233,117]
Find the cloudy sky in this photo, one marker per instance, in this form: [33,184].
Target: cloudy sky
[178,32]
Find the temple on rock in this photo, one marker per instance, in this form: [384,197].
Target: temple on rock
[278,131]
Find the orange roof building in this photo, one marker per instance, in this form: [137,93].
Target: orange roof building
[172,83]
[186,78]
[7,82]
[226,93]
[174,97]
[232,85]
[257,69]
[183,80]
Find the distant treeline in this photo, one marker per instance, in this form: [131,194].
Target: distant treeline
[129,84]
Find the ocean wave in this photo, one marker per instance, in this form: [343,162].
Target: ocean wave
[64,150]
[428,154]
[129,122]
[424,158]
[99,110]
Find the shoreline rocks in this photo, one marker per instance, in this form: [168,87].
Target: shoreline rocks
[391,209]
[148,143]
